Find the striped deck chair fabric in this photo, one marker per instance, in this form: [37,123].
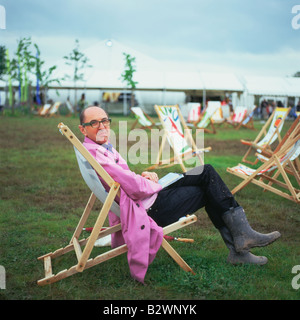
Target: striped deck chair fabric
[280,164]
[179,138]
[269,133]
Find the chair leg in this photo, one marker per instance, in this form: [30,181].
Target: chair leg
[177,258]
[97,227]
[51,278]
[84,217]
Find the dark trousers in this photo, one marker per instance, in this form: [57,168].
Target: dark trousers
[200,187]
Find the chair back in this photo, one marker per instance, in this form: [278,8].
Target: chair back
[208,113]
[45,109]
[218,115]
[172,124]
[194,111]
[93,182]
[250,115]
[239,114]
[276,124]
[54,108]
[292,154]
[139,114]
[69,106]
[225,111]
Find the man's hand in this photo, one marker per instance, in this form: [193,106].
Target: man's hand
[150,176]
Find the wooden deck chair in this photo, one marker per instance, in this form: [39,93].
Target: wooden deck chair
[194,112]
[226,113]
[69,106]
[206,119]
[238,116]
[269,133]
[54,110]
[89,169]
[179,137]
[248,121]
[143,119]
[217,117]
[265,155]
[274,168]
[44,109]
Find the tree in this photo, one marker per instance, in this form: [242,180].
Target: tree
[297,74]
[79,61]
[20,68]
[3,66]
[23,66]
[2,62]
[127,77]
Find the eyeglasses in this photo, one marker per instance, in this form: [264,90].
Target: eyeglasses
[96,124]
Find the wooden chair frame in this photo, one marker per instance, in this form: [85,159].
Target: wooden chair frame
[43,111]
[206,121]
[233,122]
[266,155]
[218,117]
[194,112]
[254,145]
[54,110]
[271,169]
[178,158]
[247,121]
[153,124]
[83,256]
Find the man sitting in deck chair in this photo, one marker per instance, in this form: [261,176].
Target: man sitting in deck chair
[199,187]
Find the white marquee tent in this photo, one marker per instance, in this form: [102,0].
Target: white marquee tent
[158,83]
[272,86]
[107,60]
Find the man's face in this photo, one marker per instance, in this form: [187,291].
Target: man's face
[99,134]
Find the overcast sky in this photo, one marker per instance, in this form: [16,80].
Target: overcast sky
[246,36]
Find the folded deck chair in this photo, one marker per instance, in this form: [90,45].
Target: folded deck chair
[206,119]
[248,120]
[89,169]
[280,165]
[179,138]
[44,109]
[143,119]
[269,133]
[238,116]
[54,110]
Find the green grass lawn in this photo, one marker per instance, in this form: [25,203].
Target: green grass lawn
[42,196]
